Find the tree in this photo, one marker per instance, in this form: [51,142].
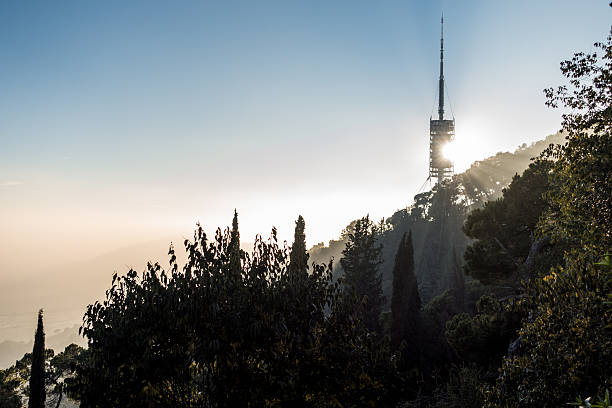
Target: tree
[8,389]
[235,253]
[360,261]
[566,345]
[405,302]
[61,368]
[37,375]
[198,337]
[507,245]
[442,232]
[298,257]
[581,203]
[483,338]
[566,342]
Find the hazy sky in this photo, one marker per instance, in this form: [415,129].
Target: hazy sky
[123,122]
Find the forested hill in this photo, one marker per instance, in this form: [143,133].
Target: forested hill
[501,279]
[435,218]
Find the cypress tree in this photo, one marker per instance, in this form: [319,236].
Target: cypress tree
[360,260]
[405,301]
[302,298]
[37,374]
[298,258]
[235,254]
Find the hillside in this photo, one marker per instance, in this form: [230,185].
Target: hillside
[435,237]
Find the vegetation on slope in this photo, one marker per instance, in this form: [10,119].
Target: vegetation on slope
[527,325]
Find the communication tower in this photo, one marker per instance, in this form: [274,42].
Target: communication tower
[441,131]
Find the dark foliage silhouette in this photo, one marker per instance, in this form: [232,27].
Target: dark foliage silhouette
[206,336]
[38,393]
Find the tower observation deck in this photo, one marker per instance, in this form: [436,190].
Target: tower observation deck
[441,131]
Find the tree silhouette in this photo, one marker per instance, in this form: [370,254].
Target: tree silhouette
[37,377]
[298,258]
[360,261]
[197,337]
[405,302]
[235,253]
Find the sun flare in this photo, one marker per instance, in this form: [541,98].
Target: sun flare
[470,144]
[449,151]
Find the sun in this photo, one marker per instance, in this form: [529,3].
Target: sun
[470,144]
[457,154]
[461,153]
[449,151]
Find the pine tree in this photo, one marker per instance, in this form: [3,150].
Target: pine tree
[360,260]
[405,302]
[37,375]
[298,264]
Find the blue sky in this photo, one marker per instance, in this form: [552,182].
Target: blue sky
[123,122]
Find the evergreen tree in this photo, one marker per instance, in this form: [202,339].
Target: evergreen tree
[298,263]
[505,231]
[360,261]
[235,253]
[405,302]
[37,375]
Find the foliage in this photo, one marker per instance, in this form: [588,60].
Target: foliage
[566,344]
[435,221]
[505,228]
[604,402]
[405,303]
[458,282]
[298,264]
[462,390]
[434,236]
[8,389]
[581,203]
[486,179]
[206,337]
[435,348]
[38,393]
[483,338]
[441,309]
[61,370]
[360,260]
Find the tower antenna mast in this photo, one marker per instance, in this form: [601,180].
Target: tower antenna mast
[441,81]
[441,131]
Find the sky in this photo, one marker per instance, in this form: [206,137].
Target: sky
[128,122]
